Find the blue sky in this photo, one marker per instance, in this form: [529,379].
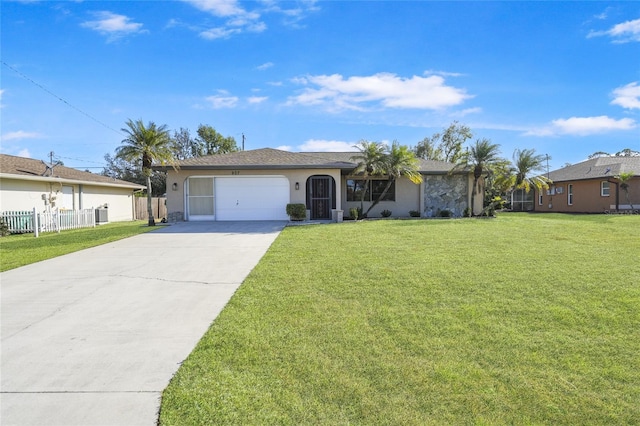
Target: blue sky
[560,77]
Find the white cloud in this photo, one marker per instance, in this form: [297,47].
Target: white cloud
[222,100]
[1,93]
[265,66]
[320,145]
[627,96]
[19,135]
[583,126]
[216,33]
[24,153]
[292,16]
[257,99]
[335,93]
[284,147]
[625,32]
[113,25]
[238,19]
[465,112]
[222,8]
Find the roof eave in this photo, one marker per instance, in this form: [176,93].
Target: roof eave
[256,167]
[13,176]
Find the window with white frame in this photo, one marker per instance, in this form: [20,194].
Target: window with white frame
[570,194]
[604,188]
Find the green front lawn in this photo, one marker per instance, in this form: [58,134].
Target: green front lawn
[23,249]
[525,319]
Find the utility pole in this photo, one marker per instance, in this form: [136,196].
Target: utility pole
[243,141]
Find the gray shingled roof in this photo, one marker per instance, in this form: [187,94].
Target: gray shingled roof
[28,167]
[264,158]
[269,158]
[597,168]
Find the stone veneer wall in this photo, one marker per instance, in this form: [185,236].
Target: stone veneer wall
[445,193]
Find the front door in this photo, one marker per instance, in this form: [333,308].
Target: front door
[320,189]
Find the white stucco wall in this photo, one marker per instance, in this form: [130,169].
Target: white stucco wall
[16,194]
[176,198]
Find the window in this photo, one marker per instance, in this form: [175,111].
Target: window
[373,190]
[522,201]
[604,188]
[540,198]
[570,194]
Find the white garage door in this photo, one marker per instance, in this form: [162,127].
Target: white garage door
[251,198]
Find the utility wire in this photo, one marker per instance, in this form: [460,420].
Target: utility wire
[59,98]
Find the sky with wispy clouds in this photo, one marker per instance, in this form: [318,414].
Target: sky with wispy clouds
[560,77]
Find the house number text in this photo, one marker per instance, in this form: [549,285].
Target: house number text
[235,172]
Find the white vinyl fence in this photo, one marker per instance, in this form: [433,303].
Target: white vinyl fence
[21,222]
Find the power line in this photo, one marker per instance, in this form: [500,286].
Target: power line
[79,159]
[59,98]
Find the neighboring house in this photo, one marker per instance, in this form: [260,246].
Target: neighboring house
[587,187]
[26,184]
[258,184]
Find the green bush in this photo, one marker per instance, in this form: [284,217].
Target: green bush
[354,213]
[467,212]
[297,211]
[414,213]
[445,213]
[385,213]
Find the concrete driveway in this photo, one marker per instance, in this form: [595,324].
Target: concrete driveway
[93,337]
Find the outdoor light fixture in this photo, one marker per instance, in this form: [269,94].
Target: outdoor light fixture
[174,186]
[297,186]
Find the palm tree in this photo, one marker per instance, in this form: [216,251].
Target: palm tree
[481,157]
[152,144]
[624,179]
[370,162]
[525,163]
[399,161]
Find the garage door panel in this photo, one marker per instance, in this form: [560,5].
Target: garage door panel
[252,198]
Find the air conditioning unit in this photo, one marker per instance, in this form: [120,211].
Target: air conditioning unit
[102,215]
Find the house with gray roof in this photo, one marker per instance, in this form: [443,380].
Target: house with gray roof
[26,183]
[258,184]
[591,186]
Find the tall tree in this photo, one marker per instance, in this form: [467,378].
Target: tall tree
[131,171]
[429,149]
[370,162]
[397,162]
[453,138]
[445,146]
[152,145]
[527,166]
[624,179]
[480,157]
[183,145]
[210,142]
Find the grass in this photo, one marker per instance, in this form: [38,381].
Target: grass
[23,249]
[525,319]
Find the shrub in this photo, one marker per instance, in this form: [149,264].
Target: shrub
[4,228]
[385,213]
[353,212]
[445,213]
[414,213]
[467,212]
[297,211]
